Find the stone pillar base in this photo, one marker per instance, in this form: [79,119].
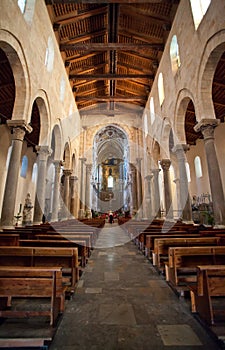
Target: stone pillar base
[81,214]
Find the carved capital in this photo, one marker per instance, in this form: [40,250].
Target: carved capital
[165,164]
[149,177]
[19,129]
[67,172]
[207,126]
[43,152]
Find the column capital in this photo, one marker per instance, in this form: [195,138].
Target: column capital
[207,126]
[149,177]
[155,171]
[19,128]
[181,147]
[73,178]
[57,163]
[165,164]
[83,160]
[43,151]
[67,172]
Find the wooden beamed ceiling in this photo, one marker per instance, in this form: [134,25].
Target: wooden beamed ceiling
[111,49]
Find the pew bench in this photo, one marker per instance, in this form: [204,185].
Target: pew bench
[61,242]
[32,283]
[161,246]
[208,295]
[181,269]
[66,258]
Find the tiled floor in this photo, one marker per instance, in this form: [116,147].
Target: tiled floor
[121,302]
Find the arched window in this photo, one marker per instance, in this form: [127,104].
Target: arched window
[110,181]
[24,166]
[152,110]
[174,54]
[199,8]
[34,173]
[49,55]
[161,89]
[22,5]
[188,171]
[198,167]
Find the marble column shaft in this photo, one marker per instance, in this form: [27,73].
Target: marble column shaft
[73,189]
[88,186]
[19,128]
[66,191]
[157,209]
[207,126]
[139,186]
[82,184]
[56,190]
[39,208]
[165,164]
[184,198]
[148,197]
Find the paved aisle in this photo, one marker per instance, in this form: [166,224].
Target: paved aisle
[122,303]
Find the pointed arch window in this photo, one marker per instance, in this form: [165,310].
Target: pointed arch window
[161,89]
[24,167]
[174,54]
[199,8]
[198,167]
[34,173]
[22,5]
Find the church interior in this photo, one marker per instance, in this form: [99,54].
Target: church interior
[112,207]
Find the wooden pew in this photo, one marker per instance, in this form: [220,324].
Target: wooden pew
[181,269]
[161,246]
[67,258]
[51,241]
[31,282]
[210,286]
[9,239]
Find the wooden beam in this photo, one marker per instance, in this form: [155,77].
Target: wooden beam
[63,2]
[80,17]
[109,76]
[110,46]
[110,98]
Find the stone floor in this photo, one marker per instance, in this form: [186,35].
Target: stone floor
[122,303]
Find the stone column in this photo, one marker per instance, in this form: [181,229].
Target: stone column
[148,197]
[88,190]
[165,164]
[139,188]
[73,191]
[66,193]
[184,202]
[39,207]
[207,126]
[156,196]
[19,128]
[56,190]
[82,192]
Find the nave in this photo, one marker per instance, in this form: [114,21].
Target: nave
[121,302]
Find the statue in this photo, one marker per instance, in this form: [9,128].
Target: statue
[27,211]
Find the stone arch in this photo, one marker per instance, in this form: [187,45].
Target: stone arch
[164,141]
[13,50]
[66,156]
[183,99]
[44,110]
[213,51]
[56,143]
[73,168]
